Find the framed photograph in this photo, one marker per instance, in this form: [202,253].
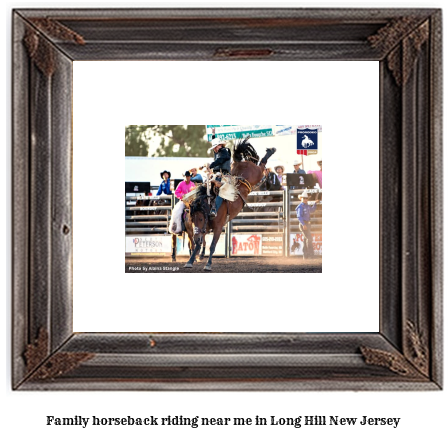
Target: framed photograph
[232,191]
[56,261]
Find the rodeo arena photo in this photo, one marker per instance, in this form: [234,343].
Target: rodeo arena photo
[223,198]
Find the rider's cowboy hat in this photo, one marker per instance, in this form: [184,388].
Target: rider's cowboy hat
[280,165]
[303,195]
[216,142]
[165,171]
[297,162]
[187,173]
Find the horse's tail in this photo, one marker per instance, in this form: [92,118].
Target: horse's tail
[237,152]
[242,149]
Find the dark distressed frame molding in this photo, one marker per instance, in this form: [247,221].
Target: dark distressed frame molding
[406,354]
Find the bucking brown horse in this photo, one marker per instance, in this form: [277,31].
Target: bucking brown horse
[198,222]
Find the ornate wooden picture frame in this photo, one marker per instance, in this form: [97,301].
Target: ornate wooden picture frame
[406,353]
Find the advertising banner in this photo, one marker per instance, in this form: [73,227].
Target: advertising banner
[284,129]
[246,244]
[141,245]
[296,244]
[232,132]
[273,245]
[318,127]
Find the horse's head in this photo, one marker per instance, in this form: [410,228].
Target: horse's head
[199,214]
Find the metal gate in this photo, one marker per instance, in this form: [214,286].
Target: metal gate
[147,221]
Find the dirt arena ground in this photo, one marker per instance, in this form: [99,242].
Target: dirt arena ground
[220,264]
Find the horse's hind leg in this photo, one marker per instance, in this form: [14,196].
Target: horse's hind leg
[173,247]
[216,234]
[269,153]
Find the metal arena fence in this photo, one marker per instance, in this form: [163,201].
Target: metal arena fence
[267,226]
[148,214]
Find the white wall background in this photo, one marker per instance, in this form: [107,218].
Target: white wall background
[422,414]
[148,168]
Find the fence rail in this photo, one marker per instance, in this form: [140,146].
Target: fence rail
[140,217]
[148,198]
[153,219]
[159,207]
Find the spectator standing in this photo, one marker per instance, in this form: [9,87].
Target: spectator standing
[185,186]
[304,211]
[182,189]
[272,180]
[164,187]
[318,173]
[299,171]
[195,176]
[297,168]
[280,170]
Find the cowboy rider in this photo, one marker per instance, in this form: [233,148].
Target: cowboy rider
[221,164]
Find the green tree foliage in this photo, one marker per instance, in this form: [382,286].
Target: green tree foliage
[136,141]
[180,140]
[174,140]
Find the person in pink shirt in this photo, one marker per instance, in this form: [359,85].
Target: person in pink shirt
[185,186]
[318,173]
[176,218]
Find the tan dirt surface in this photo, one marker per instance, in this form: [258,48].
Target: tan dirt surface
[220,264]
